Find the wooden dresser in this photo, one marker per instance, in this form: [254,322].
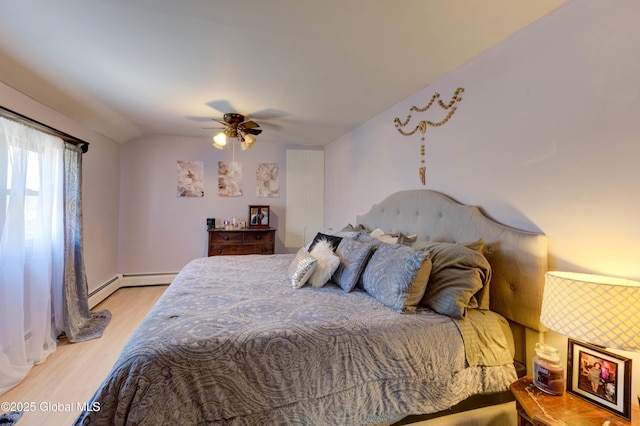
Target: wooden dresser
[241,241]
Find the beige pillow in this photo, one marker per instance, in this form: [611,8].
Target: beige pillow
[458,274]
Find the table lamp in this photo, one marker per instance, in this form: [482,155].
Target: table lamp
[595,309]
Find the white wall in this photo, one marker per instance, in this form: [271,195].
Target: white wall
[160,232]
[100,192]
[544,139]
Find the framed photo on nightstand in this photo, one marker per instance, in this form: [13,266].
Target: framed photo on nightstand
[258,216]
[600,377]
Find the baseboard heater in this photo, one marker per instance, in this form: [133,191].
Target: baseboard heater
[128,280]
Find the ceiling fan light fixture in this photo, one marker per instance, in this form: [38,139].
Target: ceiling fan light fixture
[249,140]
[235,127]
[220,140]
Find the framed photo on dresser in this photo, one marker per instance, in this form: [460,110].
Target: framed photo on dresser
[600,377]
[258,216]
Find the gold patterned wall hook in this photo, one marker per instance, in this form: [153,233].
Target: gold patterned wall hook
[424,124]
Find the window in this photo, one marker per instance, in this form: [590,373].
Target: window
[31,244]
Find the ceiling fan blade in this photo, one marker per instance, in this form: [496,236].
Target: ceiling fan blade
[253,131]
[222,105]
[250,124]
[272,126]
[269,113]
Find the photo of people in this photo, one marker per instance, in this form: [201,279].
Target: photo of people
[598,377]
[258,216]
[255,220]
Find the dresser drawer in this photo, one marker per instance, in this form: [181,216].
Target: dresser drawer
[258,249]
[258,236]
[231,249]
[250,241]
[226,237]
[226,249]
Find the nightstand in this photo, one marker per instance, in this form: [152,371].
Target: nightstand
[538,408]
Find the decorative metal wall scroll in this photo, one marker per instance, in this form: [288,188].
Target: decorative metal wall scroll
[422,125]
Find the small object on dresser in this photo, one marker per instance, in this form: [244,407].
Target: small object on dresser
[211,222]
[548,374]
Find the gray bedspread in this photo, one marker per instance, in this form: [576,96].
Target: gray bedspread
[230,342]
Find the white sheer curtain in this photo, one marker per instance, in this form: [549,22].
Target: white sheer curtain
[31,246]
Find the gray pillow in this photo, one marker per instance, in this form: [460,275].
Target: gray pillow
[397,275]
[353,258]
[459,274]
[301,268]
[364,237]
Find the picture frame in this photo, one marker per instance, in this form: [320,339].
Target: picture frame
[258,216]
[612,389]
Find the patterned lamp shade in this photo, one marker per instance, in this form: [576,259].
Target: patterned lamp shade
[600,310]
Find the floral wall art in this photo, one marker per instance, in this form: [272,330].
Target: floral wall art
[190,179]
[229,179]
[267,180]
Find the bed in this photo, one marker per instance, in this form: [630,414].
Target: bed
[239,340]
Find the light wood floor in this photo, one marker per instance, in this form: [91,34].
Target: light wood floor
[74,371]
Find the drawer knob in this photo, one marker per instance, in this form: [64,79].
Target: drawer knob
[226,237]
[258,237]
[219,251]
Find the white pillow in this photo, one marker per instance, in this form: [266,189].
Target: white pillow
[379,234]
[328,262]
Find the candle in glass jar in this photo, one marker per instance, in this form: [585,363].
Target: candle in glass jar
[548,373]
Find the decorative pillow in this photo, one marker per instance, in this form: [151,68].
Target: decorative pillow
[407,240]
[398,238]
[301,268]
[397,276]
[333,239]
[353,258]
[385,238]
[457,275]
[328,262]
[368,239]
[357,228]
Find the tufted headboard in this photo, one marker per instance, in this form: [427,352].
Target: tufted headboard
[518,258]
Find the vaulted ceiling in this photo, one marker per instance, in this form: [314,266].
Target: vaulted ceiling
[308,71]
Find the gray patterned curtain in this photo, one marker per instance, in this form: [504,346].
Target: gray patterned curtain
[79,323]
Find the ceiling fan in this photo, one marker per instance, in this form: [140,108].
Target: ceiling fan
[235,127]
